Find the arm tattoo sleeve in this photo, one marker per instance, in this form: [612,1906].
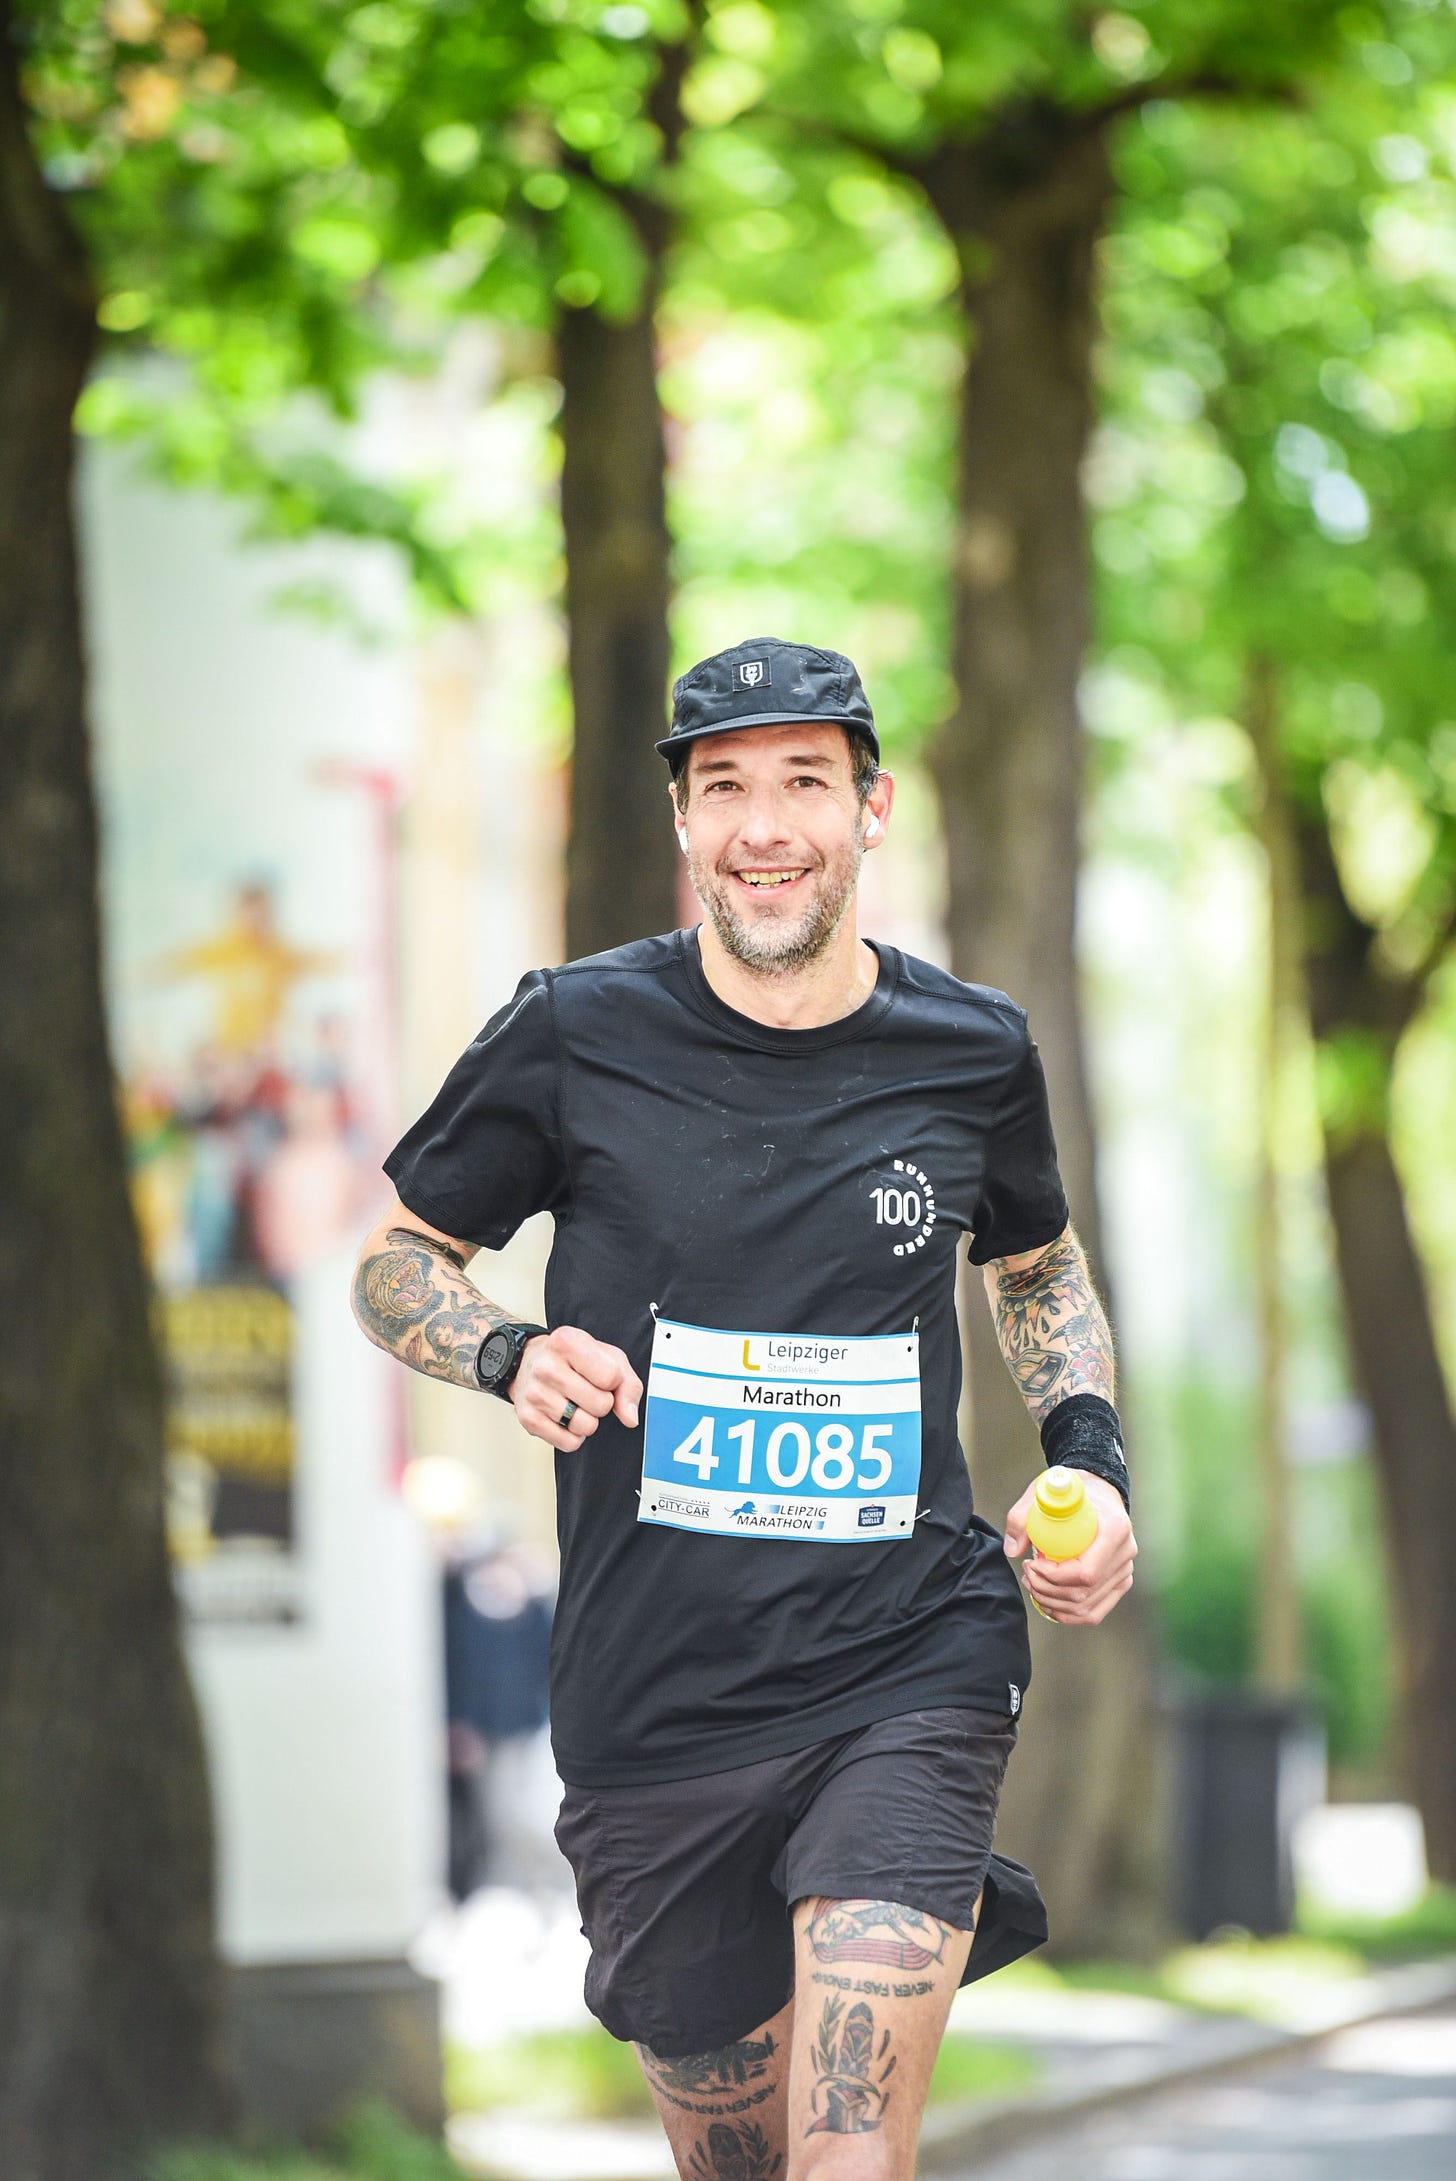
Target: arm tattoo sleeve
[413,1300]
[1052,1329]
[411,1238]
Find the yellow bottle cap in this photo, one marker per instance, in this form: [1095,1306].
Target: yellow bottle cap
[1060,1491]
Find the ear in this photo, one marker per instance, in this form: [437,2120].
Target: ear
[677,817]
[877,810]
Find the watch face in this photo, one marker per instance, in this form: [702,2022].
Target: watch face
[495,1358]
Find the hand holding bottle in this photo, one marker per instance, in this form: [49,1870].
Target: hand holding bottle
[1083,1541]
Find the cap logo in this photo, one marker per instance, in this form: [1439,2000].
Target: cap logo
[751,672]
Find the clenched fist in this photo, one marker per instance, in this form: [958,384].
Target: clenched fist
[569,1367]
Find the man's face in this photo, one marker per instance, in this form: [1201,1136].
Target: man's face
[774,840]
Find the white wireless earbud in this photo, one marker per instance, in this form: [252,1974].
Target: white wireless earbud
[872,826]
[682,838]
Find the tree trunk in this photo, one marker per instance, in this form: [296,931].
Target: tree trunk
[1392,1338]
[620,858]
[1281,1035]
[109,1984]
[1025,206]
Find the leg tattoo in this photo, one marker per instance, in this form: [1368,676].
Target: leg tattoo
[849,2095]
[884,1932]
[731,2079]
[735,2154]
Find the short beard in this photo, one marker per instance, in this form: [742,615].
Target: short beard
[767,952]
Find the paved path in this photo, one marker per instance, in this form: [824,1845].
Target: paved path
[1377,2103]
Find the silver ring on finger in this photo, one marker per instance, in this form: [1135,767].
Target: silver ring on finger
[564,1420]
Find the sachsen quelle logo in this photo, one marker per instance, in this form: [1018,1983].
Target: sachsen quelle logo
[872,1518]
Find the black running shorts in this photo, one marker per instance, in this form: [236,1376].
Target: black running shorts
[686,1886]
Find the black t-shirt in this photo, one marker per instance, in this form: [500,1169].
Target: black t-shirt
[731,1175]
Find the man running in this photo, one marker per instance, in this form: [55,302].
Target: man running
[788,1658]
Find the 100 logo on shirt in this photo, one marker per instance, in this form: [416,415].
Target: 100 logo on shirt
[906,1203]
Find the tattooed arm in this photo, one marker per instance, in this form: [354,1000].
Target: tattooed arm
[412,1298]
[1055,1337]
[1052,1329]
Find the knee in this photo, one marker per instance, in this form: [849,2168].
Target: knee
[823,2156]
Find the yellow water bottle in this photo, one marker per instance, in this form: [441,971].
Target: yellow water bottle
[1062,1521]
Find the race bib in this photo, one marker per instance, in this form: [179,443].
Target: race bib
[782,1434]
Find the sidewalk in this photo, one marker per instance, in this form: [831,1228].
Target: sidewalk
[507,1968]
[1101,2049]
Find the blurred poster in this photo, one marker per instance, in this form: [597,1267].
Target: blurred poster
[248,771]
[249,1162]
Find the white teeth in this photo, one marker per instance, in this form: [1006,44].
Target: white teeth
[768,878]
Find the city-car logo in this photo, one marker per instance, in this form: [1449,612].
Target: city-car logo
[872,1518]
[751,672]
[906,1202]
[677,1503]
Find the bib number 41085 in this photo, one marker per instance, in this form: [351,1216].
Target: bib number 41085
[837,1456]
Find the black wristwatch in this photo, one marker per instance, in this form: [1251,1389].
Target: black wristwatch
[498,1358]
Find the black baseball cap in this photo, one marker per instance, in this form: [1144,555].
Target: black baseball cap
[766,682]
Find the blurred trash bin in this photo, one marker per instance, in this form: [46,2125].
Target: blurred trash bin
[1249,1767]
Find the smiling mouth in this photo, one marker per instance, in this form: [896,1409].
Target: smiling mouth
[768,881]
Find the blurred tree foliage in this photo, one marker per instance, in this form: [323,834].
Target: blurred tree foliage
[285,197]
[1208,1600]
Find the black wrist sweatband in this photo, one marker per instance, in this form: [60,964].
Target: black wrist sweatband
[1086,1433]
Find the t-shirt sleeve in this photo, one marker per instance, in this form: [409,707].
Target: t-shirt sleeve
[1023,1205]
[488,1151]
